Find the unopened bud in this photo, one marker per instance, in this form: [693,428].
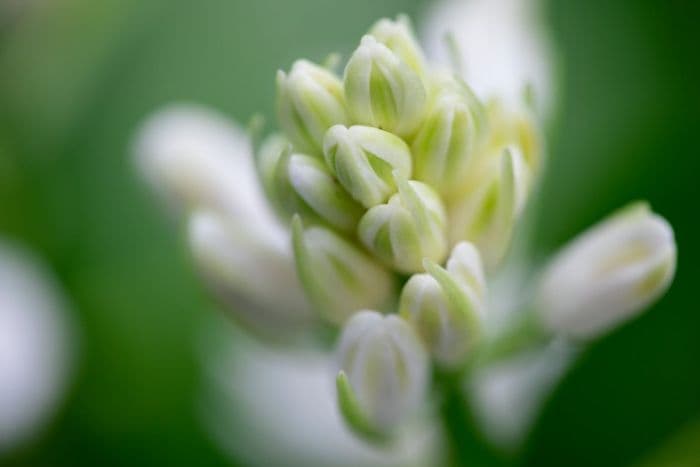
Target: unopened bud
[317,187]
[446,306]
[445,145]
[398,36]
[381,90]
[252,274]
[274,164]
[309,101]
[338,277]
[407,229]
[609,273]
[363,158]
[487,212]
[383,373]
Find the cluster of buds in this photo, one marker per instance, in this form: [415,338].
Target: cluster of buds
[403,191]
[395,172]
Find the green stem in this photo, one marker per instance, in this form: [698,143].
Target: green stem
[465,444]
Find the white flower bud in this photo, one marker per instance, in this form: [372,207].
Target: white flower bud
[608,274]
[363,158]
[338,277]
[317,187]
[446,306]
[487,212]
[398,36]
[407,229]
[383,372]
[381,90]
[254,276]
[309,101]
[446,141]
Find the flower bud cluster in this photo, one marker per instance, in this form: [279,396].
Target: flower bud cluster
[403,191]
[400,159]
[387,170]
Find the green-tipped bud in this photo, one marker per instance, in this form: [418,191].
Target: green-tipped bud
[446,306]
[271,152]
[381,90]
[317,187]
[274,159]
[407,229]
[445,145]
[383,373]
[486,214]
[338,277]
[309,101]
[363,158]
[608,274]
[398,36]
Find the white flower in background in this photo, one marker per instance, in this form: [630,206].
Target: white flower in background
[37,350]
[201,164]
[502,44]
[278,407]
[383,372]
[507,395]
[608,274]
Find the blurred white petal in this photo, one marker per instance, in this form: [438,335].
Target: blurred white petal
[271,407]
[202,164]
[36,348]
[608,274]
[507,396]
[256,278]
[195,157]
[503,47]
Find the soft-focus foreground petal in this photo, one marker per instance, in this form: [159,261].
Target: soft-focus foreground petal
[268,407]
[506,396]
[36,347]
[256,280]
[202,164]
[608,274]
[502,44]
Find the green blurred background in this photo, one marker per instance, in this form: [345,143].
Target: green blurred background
[76,78]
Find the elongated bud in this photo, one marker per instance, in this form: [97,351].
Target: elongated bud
[398,36]
[609,273]
[407,229]
[251,274]
[383,372]
[316,186]
[338,277]
[363,158]
[309,101]
[446,306]
[381,90]
[446,143]
[486,214]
